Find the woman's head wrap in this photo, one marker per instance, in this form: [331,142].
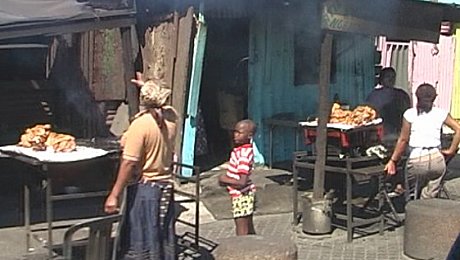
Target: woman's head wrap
[154,94]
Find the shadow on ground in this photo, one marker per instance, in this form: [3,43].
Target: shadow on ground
[186,249]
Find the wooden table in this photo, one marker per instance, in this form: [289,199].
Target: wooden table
[352,169]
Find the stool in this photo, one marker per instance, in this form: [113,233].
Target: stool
[431,227]
[413,188]
[255,247]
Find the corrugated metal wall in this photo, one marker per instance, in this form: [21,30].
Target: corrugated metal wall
[396,55]
[271,87]
[434,64]
[354,69]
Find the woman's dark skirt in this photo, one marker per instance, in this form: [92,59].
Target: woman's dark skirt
[148,227]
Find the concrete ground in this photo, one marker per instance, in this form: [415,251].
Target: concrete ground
[333,246]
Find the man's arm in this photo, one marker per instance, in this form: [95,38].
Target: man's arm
[454,125]
[129,164]
[125,172]
[401,145]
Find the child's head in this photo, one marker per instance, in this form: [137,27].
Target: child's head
[243,132]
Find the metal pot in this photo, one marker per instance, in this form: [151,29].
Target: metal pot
[317,214]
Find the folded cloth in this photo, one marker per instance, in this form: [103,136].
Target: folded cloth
[378,150]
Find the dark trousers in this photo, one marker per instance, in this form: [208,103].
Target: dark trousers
[148,228]
[454,253]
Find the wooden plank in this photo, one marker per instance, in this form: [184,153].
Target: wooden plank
[84,57]
[188,147]
[108,78]
[323,111]
[181,72]
[91,43]
[132,93]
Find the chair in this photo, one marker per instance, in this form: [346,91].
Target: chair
[412,184]
[195,197]
[98,241]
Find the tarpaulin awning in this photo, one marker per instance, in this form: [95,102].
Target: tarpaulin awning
[22,18]
[396,19]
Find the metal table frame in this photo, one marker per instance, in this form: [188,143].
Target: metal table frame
[308,162]
[42,168]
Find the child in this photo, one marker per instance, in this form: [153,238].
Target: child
[240,187]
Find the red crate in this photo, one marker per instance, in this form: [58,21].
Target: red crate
[362,136]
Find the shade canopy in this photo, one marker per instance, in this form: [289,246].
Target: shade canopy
[22,18]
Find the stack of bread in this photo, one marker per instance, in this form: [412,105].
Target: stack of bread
[40,137]
[359,116]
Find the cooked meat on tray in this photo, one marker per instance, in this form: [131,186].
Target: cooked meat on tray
[40,137]
[359,116]
[61,142]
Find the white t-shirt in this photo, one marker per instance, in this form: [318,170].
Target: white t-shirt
[425,129]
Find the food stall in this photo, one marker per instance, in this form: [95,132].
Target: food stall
[349,136]
[51,156]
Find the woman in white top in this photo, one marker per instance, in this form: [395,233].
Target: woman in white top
[421,129]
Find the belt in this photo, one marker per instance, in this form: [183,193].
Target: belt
[417,152]
[424,147]
[164,182]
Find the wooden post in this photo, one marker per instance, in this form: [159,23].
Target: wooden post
[132,93]
[323,114]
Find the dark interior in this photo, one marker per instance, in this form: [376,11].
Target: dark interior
[225,70]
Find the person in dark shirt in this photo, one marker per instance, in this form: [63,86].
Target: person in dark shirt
[390,104]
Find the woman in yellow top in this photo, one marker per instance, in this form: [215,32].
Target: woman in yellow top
[148,147]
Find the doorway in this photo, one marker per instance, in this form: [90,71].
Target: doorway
[224,90]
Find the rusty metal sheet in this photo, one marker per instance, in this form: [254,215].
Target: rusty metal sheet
[157,53]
